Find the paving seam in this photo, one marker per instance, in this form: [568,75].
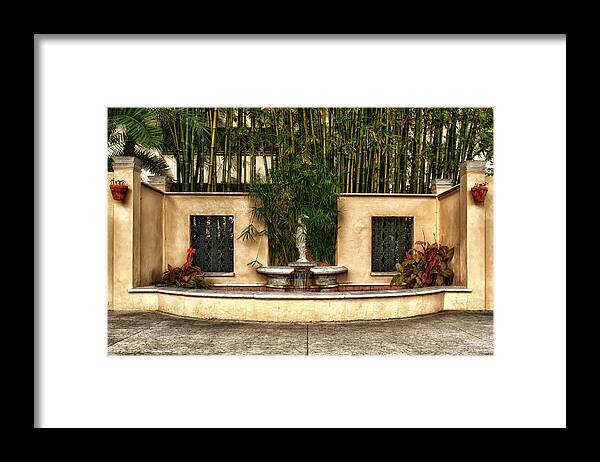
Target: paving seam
[413,351]
[476,336]
[307,339]
[132,335]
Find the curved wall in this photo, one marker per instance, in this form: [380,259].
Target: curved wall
[293,306]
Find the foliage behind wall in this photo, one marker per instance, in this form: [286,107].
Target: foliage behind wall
[295,188]
[370,150]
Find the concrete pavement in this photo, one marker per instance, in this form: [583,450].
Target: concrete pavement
[155,333]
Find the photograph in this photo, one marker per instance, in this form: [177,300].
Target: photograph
[281,231]
[318,231]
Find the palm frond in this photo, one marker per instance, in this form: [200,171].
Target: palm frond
[140,125]
[116,143]
[152,162]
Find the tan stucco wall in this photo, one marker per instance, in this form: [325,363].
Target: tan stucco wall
[110,229]
[179,208]
[354,234]
[289,310]
[449,228]
[473,236]
[489,245]
[151,236]
[151,228]
[126,237]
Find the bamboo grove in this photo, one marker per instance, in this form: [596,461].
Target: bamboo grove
[370,150]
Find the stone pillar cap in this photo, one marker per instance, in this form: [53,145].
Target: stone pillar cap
[441,185]
[126,161]
[472,165]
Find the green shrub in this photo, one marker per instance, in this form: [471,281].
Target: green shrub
[296,187]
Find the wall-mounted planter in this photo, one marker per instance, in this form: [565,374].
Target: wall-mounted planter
[118,191]
[478,192]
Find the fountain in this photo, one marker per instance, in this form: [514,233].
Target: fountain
[303,273]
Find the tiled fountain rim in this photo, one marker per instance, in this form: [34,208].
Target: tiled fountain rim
[288,270]
[211,293]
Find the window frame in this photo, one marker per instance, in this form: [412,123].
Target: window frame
[190,240]
[411,243]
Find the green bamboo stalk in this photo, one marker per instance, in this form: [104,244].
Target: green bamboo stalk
[398,118]
[405,151]
[243,153]
[238,157]
[423,153]
[387,163]
[291,129]
[350,148]
[173,131]
[277,151]
[226,151]
[324,122]
[469,139]
[211,186]
[198,146]
[186,161]
[252,146]
[263,129]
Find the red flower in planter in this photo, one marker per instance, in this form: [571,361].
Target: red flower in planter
[478,192]
[118,189]
[190,257]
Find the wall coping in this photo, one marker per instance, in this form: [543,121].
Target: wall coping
[154,188]
[386,293]
[204,193]
[447,192]
[387,195]
[126,162]
[477,165]
[241,194]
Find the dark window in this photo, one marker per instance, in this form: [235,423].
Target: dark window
[212,237]
[391,238]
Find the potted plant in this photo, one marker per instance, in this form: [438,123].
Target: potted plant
[118,189]
[478,192]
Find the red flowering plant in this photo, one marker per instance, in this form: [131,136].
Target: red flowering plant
[187,275]
[425,266]
[478,191]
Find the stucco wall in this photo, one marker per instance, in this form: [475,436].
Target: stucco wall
[110,229]
[178,209]
[150,229]
[449,227]
[473,234]
[489,245]
[126,236]
[354,233]
[151,235]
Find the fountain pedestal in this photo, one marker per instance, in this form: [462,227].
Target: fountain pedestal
[301,274]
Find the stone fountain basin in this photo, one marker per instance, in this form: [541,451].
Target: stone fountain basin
[326,276]
[322,276]
[275,270]
[318,270]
